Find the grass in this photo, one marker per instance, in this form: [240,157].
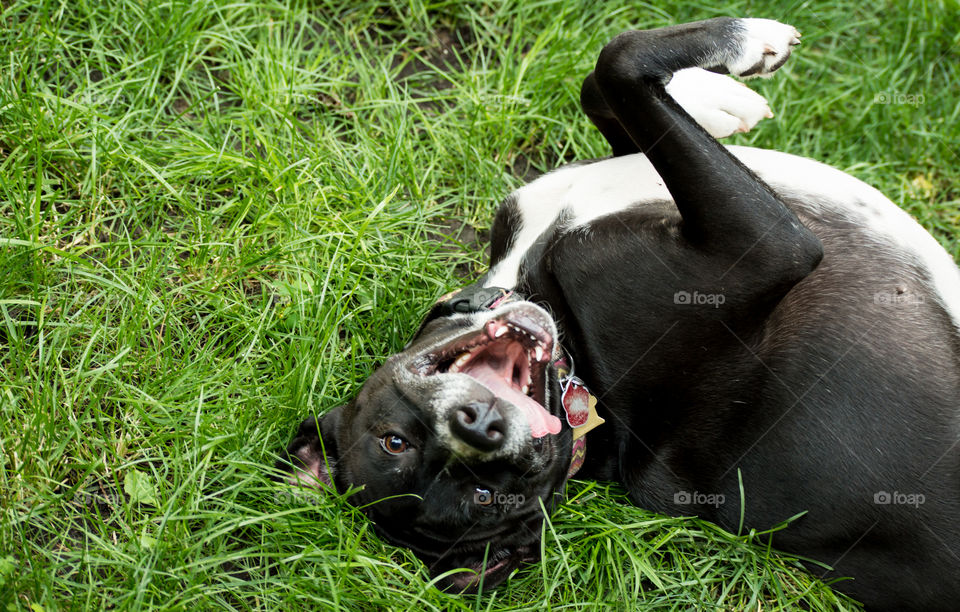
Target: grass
[217,217]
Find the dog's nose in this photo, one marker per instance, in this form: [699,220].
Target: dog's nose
[480,425]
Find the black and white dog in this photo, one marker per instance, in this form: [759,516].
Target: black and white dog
[742,316]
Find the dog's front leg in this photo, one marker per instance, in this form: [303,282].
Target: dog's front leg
[728,212]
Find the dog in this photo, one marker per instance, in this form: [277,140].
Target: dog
[693,321]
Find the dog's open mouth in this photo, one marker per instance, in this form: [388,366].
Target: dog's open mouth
[509,356]
[498,565]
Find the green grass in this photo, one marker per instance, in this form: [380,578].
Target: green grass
[217,217]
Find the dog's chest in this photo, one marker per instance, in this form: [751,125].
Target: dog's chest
[569,199]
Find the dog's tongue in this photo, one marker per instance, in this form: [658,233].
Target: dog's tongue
[495,371]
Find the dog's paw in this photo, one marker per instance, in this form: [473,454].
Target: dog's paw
[720,104]
[765,45]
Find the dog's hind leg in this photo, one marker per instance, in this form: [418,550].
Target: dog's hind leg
[727,211]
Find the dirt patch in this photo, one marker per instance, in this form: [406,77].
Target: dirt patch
[445,55]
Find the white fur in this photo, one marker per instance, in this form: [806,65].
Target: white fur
[722,105]
[764,40]
[589,191]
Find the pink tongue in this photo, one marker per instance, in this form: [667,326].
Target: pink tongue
[541,422]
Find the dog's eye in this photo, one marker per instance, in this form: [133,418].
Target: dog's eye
[394,444]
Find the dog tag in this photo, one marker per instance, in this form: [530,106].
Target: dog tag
[581,408]
[576,402]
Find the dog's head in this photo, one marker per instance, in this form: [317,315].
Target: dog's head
[457,443]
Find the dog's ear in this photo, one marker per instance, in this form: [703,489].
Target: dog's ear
[311,458]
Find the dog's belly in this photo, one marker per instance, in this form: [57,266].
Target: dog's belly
[578,194]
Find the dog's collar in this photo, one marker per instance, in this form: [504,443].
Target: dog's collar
[579,404]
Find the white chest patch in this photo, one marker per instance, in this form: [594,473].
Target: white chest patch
[586,192]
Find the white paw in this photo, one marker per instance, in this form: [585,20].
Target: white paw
[765,46]
[721,105]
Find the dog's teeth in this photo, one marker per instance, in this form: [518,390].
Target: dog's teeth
[495,330]
[538,353]
[459,363]
[525,389]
